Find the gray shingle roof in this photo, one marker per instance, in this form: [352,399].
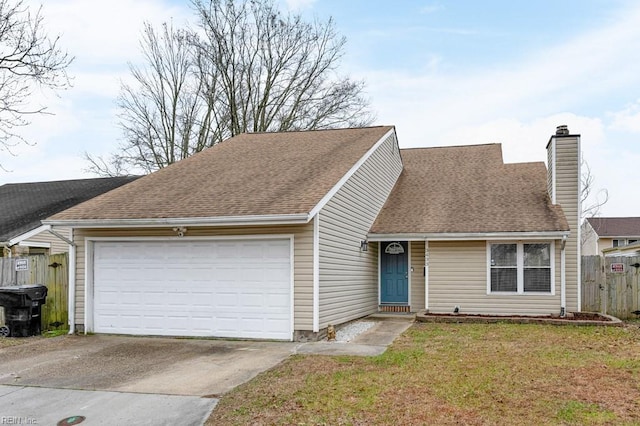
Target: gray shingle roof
[616,226]
[24,205]
[250,174]
[468,189]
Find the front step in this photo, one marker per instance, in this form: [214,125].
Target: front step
[394,308]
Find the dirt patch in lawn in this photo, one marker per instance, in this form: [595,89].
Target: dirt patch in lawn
[443,373]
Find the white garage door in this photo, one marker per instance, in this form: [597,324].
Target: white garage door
[231,288]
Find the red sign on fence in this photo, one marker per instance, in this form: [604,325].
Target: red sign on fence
[617,267]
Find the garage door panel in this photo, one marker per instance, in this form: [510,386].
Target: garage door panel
[235,288]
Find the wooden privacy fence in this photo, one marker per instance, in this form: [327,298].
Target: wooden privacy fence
[611,285]
[49,270]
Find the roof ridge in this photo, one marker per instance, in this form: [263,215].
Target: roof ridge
[451,146]
[70,180]
[314,130]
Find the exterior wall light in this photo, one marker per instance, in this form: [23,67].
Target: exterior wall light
[364,245]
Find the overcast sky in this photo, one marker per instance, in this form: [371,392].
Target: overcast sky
[443,72]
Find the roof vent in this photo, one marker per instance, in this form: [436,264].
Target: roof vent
[562,130]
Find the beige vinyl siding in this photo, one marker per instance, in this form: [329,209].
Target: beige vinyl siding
[458,277]
[567,195]
[56,245]
[416,267]
[303,259]
[349,277]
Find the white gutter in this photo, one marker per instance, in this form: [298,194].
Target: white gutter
[285,219]
[477,236]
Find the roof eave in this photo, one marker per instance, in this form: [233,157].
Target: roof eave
[251,220]
[469,236]
[26,235]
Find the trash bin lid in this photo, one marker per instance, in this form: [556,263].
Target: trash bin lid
[21,288]
[33,290]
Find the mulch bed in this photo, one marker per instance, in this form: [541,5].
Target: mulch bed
[572,318]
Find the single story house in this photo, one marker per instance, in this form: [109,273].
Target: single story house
[600,233]
[24,205]
[278,235]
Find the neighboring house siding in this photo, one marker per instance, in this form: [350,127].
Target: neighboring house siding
[416,266]
[567,193]
[56,245]
[458,277]
[589,241]
[348,276]
[604,243]
[303,260]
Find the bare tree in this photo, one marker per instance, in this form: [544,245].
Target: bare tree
[248,68]
[590,205]
[160,111]
[29,59]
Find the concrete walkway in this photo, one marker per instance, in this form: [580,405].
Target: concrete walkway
[372,342]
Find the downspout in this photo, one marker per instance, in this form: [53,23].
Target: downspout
[426,275]
[563,281]
[316,273]
[72,286]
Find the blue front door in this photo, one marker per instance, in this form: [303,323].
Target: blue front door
[394,288]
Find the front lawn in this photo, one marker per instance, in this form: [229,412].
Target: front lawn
[479,374]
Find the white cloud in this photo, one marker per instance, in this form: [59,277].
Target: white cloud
[299,4]
[106,32]
[627,119]
[559,78]
[431,8]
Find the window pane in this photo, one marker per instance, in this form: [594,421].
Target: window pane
[504,254]
[504,279]
[537,279]
[537,255]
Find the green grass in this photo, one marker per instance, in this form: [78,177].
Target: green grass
[55,333]
[507,374]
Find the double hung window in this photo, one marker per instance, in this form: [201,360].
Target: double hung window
[520,267]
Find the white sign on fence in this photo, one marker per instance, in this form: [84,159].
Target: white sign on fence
[22,264]
[617,267]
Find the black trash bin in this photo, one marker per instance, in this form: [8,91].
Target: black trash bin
[22,307]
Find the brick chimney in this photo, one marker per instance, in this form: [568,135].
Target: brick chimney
[563,185]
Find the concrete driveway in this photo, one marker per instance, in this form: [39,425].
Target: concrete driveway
[171,379]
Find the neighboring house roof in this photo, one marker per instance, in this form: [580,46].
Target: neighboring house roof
[615,226]
[468,189]
[24,205]
[252,174]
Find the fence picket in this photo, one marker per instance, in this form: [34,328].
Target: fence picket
[41,271]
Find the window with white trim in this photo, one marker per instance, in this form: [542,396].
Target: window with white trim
[522,267]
